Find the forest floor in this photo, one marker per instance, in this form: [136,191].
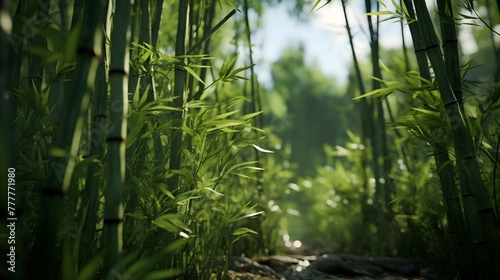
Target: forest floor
[327,266]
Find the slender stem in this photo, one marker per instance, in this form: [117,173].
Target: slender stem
[117,133]
[179,92]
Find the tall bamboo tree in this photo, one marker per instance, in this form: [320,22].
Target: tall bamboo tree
[479,213]
[460,245]
[94,181]
[64,152]
[384,188]
[179,92]
[117,131]
[366,128]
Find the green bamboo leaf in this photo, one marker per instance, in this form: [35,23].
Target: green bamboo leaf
[224,115]
[388,71]
[381,92]
[238,70]
[227,66]
[382,3]
[193,73]
[189,131]
[428,112]
[244,231]
[399,199]
[224,123]
[171,223]
[143,98]
[467,16]
[229,130]
[398,8]
[164,189]
[317,3]
[236,166]
[231,4]
[254,214]
[251,115]
[254,168]
[214,191]
[380,13]
[262,149]
[161,108]
[45,99]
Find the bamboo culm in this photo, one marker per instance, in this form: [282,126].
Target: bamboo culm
[179,92]
[479,214]
[117,132]
[63,155]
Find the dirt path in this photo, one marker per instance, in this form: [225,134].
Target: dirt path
[328,266]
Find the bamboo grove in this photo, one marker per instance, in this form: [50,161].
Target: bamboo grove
[443,123]
[110,111]
[143,149]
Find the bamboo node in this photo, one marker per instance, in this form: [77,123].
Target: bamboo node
[419,50]
[467,194]
[115,139]
[450,40]
[432,46]
[449,103]
[88,51]
[113,220]
[118,71]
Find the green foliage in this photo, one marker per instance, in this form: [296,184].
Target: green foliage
[187,231]
[303,107]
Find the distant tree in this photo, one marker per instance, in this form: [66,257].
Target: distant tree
[311,113]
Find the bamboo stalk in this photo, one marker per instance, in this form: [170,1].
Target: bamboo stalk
[147,81]
[365,111]
[94,182]
[460,244]
[78,7]
[117,133]
[66,146]
[205,40]
[383,186]
[159,153]
[450,47]
[479,213]
[134,76]
[155,26]
[179,85]
[255,104]
[450,191]
[208,21]
[459,235]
